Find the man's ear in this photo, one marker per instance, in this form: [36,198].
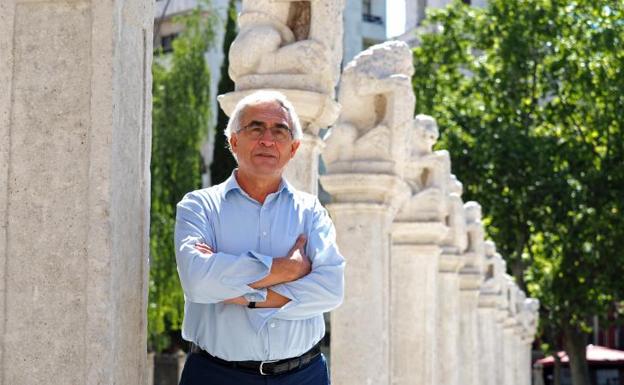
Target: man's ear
[294,148]
[233,142]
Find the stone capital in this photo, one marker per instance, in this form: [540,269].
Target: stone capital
[487,300]
[470,280]
[450,263]
[418,233]
[382,189]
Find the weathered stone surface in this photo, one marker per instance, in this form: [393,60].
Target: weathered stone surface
[416,234]
[488,302]
[74,206]
[363,209]
[509,330]
[470,279]
[288,44]
[427,172]
[448,321]
[377,112]
[364,159]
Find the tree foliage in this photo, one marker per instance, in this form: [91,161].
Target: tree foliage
[180,118]
[529,95]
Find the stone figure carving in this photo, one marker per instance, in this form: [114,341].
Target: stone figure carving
[456,241]
[475,250]
[493,269]
[288,44]
[427,172]
[377,111]
[531,314]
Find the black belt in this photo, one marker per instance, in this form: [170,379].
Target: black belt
[264,367]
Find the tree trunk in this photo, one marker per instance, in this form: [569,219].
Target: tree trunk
[557,369]
[575,342]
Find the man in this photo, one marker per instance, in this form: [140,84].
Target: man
[257,260]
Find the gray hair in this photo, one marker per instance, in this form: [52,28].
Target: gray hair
[260,97]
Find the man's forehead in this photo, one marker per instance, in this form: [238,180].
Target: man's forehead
[268,109]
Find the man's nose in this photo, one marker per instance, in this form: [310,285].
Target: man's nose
[267,138]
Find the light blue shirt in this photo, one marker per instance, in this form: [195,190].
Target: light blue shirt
[246,236]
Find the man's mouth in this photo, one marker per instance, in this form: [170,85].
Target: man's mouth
[263,155]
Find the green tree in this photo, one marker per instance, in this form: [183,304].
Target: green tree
[528,94]
[180,118]
[223,162]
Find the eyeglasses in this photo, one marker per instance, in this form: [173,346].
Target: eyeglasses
[256,130]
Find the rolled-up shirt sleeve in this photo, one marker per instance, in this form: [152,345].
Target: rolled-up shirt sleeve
[322,290]
[212,278]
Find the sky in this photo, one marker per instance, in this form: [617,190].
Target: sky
[396,17]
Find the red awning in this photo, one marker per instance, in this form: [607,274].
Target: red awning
[595,355]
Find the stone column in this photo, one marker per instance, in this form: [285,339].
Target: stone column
[365,155]
[529,327]
[500,315]
[509,329]
[489,340]
[470,279]
[416,234]
[451,261]
[75,118]
[294,47]
[362,213]
[521,366]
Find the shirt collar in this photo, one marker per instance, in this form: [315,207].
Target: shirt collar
[232,184]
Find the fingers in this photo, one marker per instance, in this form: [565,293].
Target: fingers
[204,248]
[301,241]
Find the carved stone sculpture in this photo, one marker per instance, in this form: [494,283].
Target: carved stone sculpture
[291,46]
[456,240]
[377,112]
[427,172]
[288,44]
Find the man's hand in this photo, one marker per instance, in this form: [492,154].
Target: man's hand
[299,263]
[288,268]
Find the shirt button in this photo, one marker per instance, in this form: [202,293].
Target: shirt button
[272,324]
[264,233]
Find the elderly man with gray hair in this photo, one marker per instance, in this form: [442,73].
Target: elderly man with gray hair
[257,260]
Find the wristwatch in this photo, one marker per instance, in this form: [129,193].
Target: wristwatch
[251,305]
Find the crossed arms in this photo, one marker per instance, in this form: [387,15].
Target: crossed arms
[299,285]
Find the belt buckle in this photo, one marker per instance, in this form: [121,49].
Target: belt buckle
[262,364]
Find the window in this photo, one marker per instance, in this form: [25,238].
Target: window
[166,42]
[367,7]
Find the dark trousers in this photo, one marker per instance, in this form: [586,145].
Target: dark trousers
[198,370]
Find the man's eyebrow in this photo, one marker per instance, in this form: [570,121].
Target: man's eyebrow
[257,123]
[282,125]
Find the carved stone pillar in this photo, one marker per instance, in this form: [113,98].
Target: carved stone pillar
[75,126]
[529,324]
[489,341]
[448,289]
[417,232]
[294,47]
[365,157]
[470,279]
[509,330]
[362,210]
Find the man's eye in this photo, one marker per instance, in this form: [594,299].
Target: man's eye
[280,133]
[255,129]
